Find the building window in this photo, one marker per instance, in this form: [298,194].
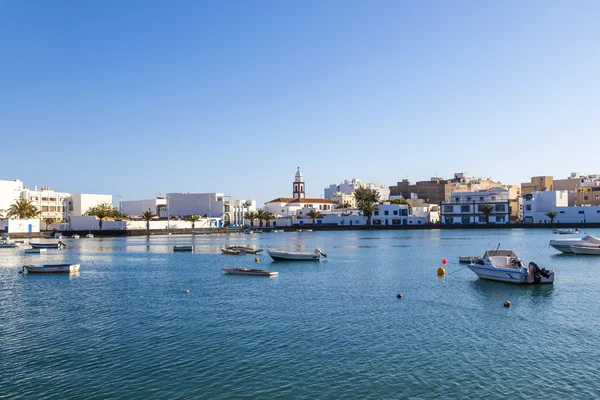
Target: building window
[395,212]
[596,197]
[528,207]
[457,199]
[580,212]
[500,219]
[500,207]
[386,213]
[481,199]
[376,213]
[493,198]
[468,198]
[465,208]
[448,209]
[585,197]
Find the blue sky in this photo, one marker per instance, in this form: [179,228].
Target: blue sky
[150,97]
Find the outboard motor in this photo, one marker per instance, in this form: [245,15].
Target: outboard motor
[538,272]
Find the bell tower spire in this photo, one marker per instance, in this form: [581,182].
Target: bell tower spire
[299,185]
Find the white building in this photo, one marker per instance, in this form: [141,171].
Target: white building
[343,198]
[80,203]
[288,207]
[236,209]
[538,203]
[429,212]
[10,192]
[10,225]
[465,207]
[135,208]
[184,204]
[349,186]
[51,204]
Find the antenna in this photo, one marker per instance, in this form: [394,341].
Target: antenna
[498,247]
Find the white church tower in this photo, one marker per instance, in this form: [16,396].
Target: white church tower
[299,186]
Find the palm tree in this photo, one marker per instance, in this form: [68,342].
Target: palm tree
[486,209]
[148,216]
[368,209]
[260,216]
[314,214]
[193,219]
[269,216]
[2,213]
[101,211]
[23,209]
[250,216]
[345,205]
[551,215]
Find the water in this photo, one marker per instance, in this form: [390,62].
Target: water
[123,328]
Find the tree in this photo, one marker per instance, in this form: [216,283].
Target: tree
[401,201]
[486,209]
[193,219]
[551,215]
[269,216]
[148,216]
[49,221]
[101,211]
[23,209]
[314,214]
[260,216]
[368,209]
[250,216]
[367,201]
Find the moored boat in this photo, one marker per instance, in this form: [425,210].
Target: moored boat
[240,250]
[8,245]
[564,245]
[89,236]
[35,251]
[76,236]
[281,255]
[565,231]
[249,271]
[59,245]
[587,248]
[183,248]
[248,231]
[51,268]
[506,266]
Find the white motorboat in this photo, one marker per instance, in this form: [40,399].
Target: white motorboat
[89,236]
[467,259]
[564,245]
[280,255]
[183,248]
[58,245]
[587,248]
[35,251]
[506,266]
[76,236]
[51,268]
[565,231]
[249,271]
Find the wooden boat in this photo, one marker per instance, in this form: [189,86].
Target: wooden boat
[280,255]
[240,250]
[183,248]
[51,268]
[467,259]
[59,245]
[249,271]
[35,251]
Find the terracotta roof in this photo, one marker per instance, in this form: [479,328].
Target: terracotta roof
[281,200]
[322,201]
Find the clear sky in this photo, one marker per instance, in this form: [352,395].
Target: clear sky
[150,97]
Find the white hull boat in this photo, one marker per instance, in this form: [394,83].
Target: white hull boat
[592,249]
[35,251]
[75,236]
[249,271]
[506,266]
[89,236]
[565,231]
[280,255]
[564,245]
[51,268]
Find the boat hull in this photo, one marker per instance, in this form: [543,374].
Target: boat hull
[589,250]
[183,249]
[508,275]
[282,256]
[8,245]
[249,271]
[52,268]
[35,251]
[45,245]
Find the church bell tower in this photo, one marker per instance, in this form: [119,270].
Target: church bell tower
[298,185]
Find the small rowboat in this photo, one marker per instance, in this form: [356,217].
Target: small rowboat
[235,250]
[35,251]
[51,268]
[280,255]
[183,248]
[58,245]
[249,271]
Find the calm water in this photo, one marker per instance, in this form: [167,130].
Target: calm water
[124,328]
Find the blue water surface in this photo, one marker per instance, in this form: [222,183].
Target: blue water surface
[123,327]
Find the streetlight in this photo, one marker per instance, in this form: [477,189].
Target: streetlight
[168,215]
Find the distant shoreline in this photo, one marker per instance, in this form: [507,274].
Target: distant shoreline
[165,232]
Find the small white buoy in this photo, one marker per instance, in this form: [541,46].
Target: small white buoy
[186,291]
[507,304]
